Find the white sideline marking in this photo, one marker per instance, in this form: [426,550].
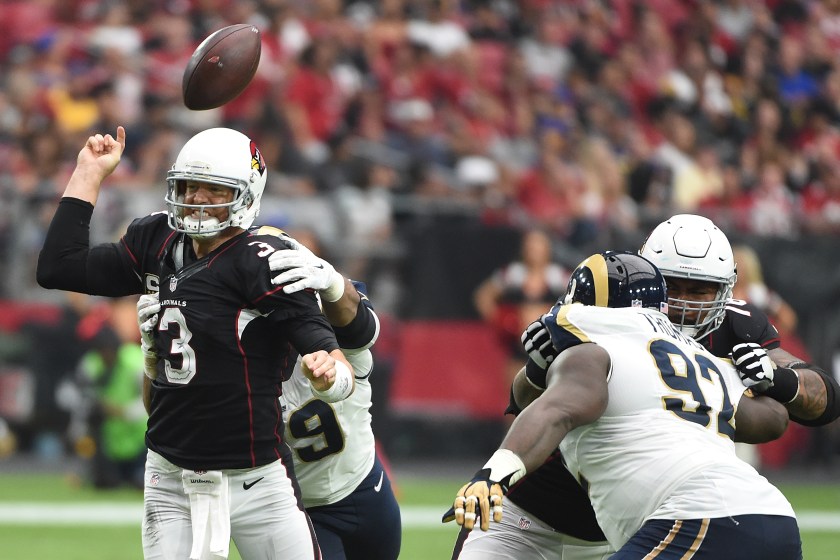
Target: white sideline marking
[413,517]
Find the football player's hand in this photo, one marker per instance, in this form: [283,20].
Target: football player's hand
[299,269]
[319,369]
[538,345]
[754,366]
[475,500]
[100,155]
[148,308]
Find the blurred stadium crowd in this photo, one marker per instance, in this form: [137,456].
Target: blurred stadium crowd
[595,119]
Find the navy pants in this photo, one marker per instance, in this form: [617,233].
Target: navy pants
[742,537]
[365,525]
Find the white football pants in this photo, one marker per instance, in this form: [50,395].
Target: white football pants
[520,535]
[266,520]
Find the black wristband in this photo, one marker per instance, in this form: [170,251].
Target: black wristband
[785,385]
[535,374]
[513,407]
[359,332]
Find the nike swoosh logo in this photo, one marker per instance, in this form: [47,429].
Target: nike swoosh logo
[248,485]
[378,486]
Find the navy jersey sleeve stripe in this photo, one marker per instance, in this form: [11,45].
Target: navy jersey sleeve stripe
[129,252]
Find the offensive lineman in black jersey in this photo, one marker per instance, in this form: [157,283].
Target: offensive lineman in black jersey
[695,258]
[227,337]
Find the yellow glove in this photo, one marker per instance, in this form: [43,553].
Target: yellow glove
[484,492]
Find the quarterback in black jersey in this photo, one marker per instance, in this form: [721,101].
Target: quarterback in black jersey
[225,339]
[695,258]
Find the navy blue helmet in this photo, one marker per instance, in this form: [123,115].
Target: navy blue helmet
[618,279]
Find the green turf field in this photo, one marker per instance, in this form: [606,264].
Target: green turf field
[116,536]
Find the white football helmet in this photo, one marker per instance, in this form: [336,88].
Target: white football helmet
[220,156]
[690,246]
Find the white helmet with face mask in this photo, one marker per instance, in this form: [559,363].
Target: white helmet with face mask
[218,156]
[692,247]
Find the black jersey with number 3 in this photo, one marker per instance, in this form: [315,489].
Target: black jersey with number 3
[227,338]
[553,495]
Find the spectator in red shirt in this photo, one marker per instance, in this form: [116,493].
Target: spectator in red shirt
[772,207]
[314,100]
[553,193]
[821,201]
[729,209]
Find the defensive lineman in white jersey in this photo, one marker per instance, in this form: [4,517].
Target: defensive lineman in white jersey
[344,487]
[333,443]
[663,448]
[645,418]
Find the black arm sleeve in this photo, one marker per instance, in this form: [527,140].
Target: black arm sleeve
[832,403]
[361,332]
[67,262]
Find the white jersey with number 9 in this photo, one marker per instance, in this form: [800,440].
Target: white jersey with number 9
[332,443]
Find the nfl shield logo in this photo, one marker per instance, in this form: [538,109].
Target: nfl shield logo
[173,283]
[524,523]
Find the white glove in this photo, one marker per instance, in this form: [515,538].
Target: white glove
[300,269]
[148,308]
[538,345]
[754,366]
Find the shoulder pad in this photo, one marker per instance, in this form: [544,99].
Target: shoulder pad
[564,334]
[156,218]
[750,324]
[273,236]
[269,230]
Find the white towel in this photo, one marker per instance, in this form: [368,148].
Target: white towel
[209,495]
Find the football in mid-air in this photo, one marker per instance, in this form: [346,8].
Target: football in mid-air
[221,66]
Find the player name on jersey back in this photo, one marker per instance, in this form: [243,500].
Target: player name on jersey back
[664,447]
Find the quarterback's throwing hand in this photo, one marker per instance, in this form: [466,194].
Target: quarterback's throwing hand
[754,366]
[101,154]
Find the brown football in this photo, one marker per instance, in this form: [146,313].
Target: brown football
[221,66]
